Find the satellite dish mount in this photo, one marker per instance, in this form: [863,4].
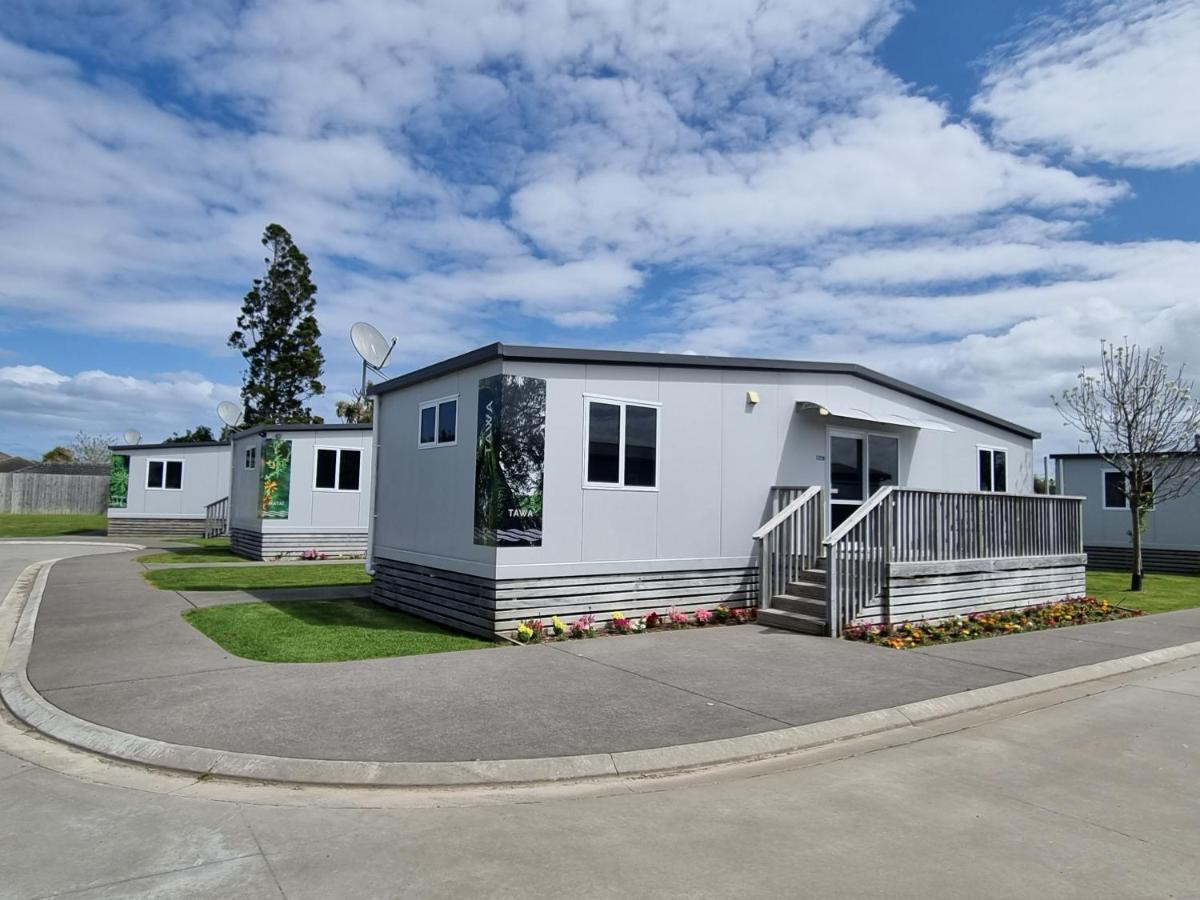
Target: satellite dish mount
[373,347]
[231,414]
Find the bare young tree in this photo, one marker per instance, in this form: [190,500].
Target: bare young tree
[1144,421]
[91,448]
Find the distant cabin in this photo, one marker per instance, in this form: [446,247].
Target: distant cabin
[301,487]
[1171,541]
[164,489]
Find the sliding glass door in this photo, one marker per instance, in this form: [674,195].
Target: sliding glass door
[859,465]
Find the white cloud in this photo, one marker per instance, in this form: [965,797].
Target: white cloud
[458,170]
[1116,82]
[40,407]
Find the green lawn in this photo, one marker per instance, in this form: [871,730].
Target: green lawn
[50,525]
[1160,593]
[213,543]
[194,555]
[242,578]
[323,631]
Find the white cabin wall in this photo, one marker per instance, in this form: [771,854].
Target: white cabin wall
[718,458]
[425,500]
[205,480]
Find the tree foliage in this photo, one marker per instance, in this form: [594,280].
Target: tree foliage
[91,448]
[356,411]
[58,454]
[277,333]
[1143,419]
[195,435]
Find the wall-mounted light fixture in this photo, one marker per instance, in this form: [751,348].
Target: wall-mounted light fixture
[751,397]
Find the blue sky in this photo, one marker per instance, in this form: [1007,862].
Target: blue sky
[966,195]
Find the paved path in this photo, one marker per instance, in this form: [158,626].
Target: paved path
[115,651]
[1071,797]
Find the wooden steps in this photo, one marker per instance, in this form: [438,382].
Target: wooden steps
[802,607]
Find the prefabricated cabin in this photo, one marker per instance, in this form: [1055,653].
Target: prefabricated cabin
[523,482]
[298,488]
[165,488]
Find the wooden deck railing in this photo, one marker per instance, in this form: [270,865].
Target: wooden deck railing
[216,518]
[790,541]
[915,525]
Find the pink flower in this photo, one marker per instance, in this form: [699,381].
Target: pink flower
[703,616]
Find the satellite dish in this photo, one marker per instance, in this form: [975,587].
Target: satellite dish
[230,413]
[132,436]
[371,345]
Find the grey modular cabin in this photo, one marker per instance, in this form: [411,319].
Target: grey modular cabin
[1171,541]
[300,487]
[524,482]
[165,488]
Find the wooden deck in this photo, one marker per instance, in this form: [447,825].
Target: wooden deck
[911,554]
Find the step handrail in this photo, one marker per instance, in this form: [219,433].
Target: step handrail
[785,513]
[859,514]
[216,518]
[788,543]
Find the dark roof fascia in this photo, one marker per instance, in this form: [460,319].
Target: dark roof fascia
[519,353]
[185,445]
[333,426]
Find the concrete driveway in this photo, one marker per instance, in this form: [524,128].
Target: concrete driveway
[112,650]
[1071,796]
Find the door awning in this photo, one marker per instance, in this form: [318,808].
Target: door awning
[848,403]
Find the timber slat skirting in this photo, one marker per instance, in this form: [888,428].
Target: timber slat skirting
[273,545]
[1154,559]
[129,525]
[497,606]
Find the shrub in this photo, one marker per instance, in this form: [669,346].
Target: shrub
[722,614]
[530,631]
[583,627]
[620,624]
[703,616]
[1076,611]
[653,620]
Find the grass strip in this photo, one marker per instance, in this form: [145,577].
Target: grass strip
[244,578]
[309,631]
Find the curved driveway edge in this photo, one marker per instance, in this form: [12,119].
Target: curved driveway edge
[18,618]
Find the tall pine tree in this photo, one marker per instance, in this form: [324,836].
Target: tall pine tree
[277,334]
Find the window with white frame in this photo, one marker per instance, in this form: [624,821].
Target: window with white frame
[993,469]
[1116,494]
[252,458]
[164,474]
[337,469]
[622,444]
[438,423]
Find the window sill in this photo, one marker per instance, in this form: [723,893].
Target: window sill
[620,487]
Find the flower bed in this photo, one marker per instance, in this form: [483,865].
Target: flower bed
[535,631]
[1077,611]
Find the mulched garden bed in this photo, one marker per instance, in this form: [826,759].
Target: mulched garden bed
[1079,611]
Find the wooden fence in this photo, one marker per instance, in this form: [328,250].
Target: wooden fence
[41,492]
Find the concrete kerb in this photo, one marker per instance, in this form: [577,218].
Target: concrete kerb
[30,707]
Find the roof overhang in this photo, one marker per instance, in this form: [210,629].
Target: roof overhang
[871,409]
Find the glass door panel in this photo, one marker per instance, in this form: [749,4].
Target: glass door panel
[883,461]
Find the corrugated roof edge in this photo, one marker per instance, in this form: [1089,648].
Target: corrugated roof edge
[332,426]
[176,445]
[679,360]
